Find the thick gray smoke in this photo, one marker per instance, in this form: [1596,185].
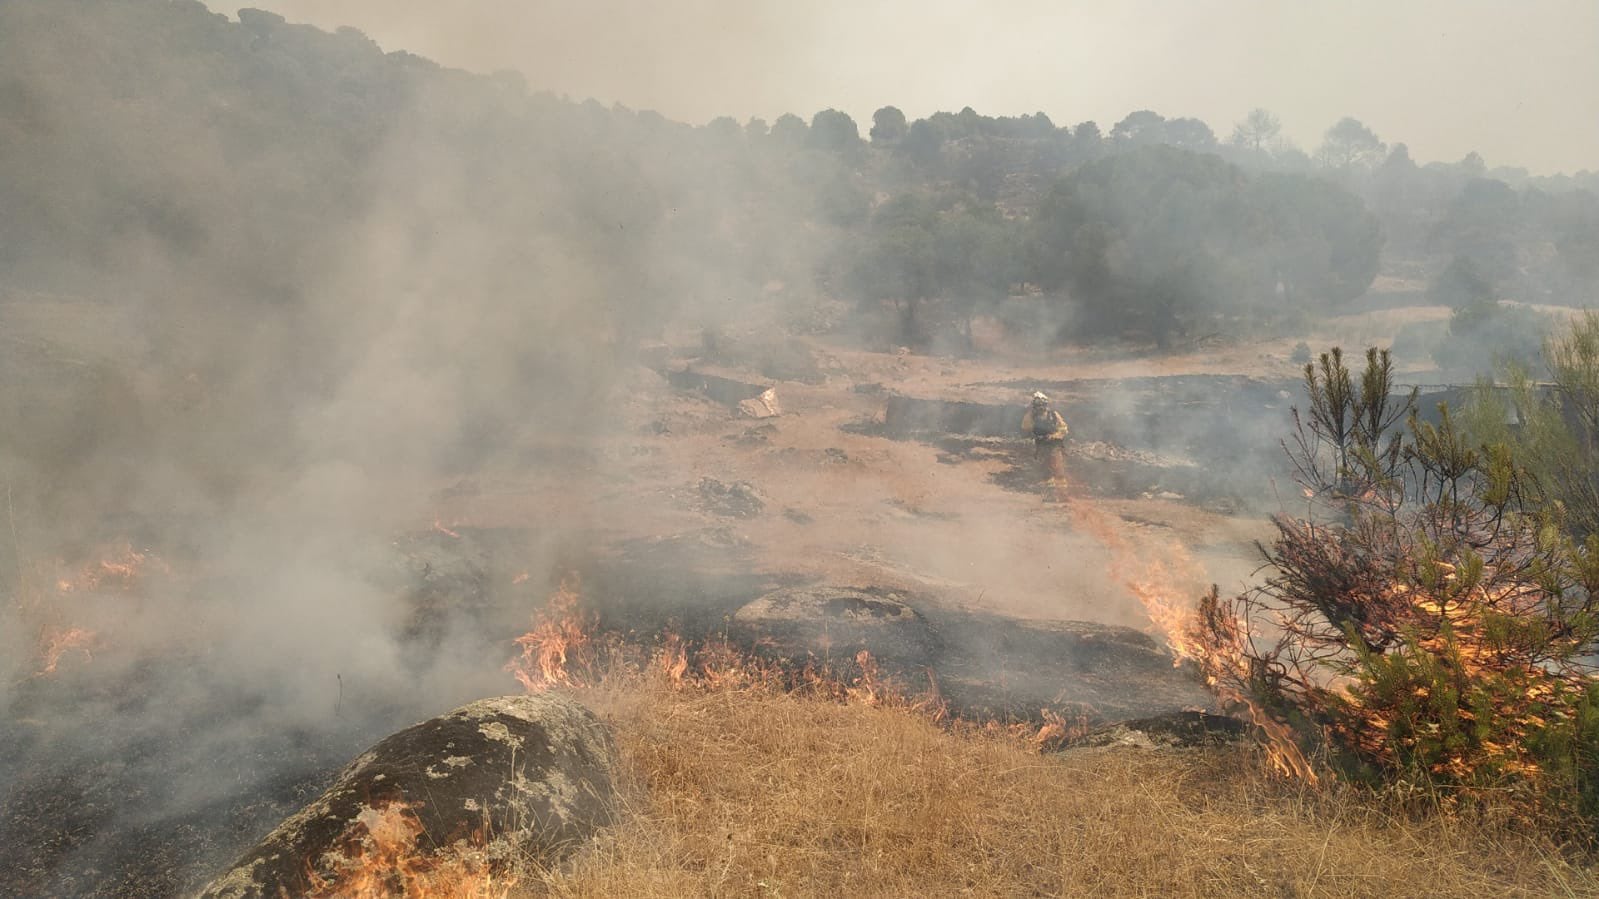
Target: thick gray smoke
[290,360]
[272,294]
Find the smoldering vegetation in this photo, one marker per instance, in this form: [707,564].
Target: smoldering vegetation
[255,276]
[305,269]
[267,293]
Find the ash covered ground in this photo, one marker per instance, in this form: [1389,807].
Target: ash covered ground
[835,526]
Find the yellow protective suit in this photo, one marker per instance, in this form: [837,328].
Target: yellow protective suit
[1049,442]
[1057,432]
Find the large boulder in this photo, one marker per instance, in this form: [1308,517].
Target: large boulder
[493,781]
[837,622]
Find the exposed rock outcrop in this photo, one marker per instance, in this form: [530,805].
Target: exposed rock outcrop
[837,621]
[763,406]
[495,780]
[1102,671]
[1177,730]
[738,499]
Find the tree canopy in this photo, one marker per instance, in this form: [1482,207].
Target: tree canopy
[888,125]
[1164,239]
[1151,228]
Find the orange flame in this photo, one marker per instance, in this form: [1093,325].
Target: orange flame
[1454,629]
[1159,581]
[673,659]
[869,688]
[558,651]
[561,650]
[1057,729]
[120,570]
[61,642]
[387,858]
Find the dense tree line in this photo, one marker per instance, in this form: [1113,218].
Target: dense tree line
[255,151]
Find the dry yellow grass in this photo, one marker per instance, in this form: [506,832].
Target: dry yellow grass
[762,794]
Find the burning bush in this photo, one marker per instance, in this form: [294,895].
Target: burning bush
[737,792]
[1425,621]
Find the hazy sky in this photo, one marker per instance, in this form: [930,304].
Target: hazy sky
[1517,82]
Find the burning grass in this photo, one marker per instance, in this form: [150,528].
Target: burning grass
[565,648]
[741,790]
[1165,581]
[47,601]
[742,778]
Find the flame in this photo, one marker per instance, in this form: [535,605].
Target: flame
[119,570]
[1453,629]
[444,529]
[1159,581]
[1058,730]
[559,650]
[869,688]
[563,650]
[1496,696]
[386,857]
[673,659]
[61,642]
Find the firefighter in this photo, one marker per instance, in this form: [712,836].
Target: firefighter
[1048,430]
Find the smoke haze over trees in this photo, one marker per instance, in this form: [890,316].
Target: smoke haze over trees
[202,170]
[1445,78]
[206,172]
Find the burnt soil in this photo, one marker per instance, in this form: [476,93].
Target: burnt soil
[111,785]
[81,814]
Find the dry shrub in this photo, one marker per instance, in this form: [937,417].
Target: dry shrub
[1426,625]
[750,792]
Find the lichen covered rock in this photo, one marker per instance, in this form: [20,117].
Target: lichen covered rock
[837,621]
[495,780]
